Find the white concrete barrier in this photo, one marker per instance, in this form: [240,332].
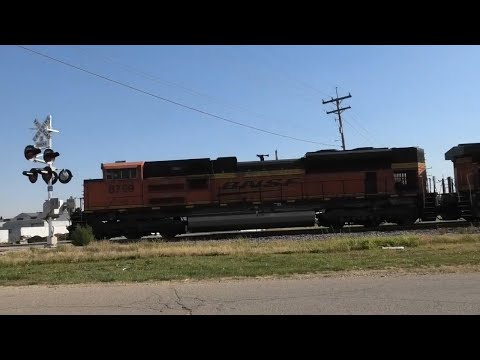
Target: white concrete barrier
[3,236]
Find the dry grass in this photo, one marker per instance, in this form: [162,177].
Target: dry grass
[146,261]
[99,251]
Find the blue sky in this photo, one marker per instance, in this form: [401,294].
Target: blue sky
[401,96]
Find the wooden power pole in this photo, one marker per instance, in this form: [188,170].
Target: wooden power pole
[339,110]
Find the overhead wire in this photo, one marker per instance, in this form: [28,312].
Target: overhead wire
[290,77]
[353,127]
[311,87]
[159,80]
[168,100]
[351,113]
[194,92]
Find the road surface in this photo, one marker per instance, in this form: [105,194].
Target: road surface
[371,293]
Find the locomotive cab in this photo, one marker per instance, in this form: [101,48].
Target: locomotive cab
[120,187]
[123,183]
[409,171]
[466,165]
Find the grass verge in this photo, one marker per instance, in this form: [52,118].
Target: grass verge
[151,261]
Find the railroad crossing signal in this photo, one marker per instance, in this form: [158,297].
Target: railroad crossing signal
[49,155]
[32,175]
[43,139]
[42,135]
[65,176]
[47,174]
[31,152]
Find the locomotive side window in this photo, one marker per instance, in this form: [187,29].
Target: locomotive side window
[406,180]
[129,173]
[400,178]
[110,174]
[117,174]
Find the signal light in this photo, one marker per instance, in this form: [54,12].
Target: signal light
[32,175]
[49,155]
[65,176]
[47,174]
[31,152]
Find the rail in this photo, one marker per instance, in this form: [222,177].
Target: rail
[314,231]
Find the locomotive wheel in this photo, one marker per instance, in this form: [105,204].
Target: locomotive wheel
[372,223]
[406,222]
[100,237]
[337,225]
[133,236]
[168,236]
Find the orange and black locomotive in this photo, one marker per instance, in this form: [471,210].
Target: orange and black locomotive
[364,186]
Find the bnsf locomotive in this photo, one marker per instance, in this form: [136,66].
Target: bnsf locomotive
[332,188]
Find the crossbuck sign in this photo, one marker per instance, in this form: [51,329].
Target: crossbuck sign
[42,135]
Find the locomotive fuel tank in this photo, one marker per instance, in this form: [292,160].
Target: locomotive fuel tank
[251,221]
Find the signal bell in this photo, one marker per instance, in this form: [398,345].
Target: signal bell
[31,152]
[49,155]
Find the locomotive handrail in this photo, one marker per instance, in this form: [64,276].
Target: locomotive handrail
[423,191]
[469,188]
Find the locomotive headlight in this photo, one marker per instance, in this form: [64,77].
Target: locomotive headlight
[65,176]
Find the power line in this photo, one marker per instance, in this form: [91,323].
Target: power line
[311,87]
[168,100]
[358,123]
[284,74]
[354,113]
[308,86]
[291,77]
[366,134]
[157,79]
[354,128]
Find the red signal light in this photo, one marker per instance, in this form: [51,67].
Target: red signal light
[50,155]
[31,152]
[47,174]
[32,175]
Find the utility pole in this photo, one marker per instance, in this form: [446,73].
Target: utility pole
[339,110]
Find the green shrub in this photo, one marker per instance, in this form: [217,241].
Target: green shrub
[82,235]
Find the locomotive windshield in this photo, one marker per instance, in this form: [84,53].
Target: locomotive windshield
[118,174]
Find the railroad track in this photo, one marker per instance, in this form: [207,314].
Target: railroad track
[313,231]
[252,234]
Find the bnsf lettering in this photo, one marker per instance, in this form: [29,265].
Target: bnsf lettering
[230,185]
[257,184]
[250,184]
[112,189]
